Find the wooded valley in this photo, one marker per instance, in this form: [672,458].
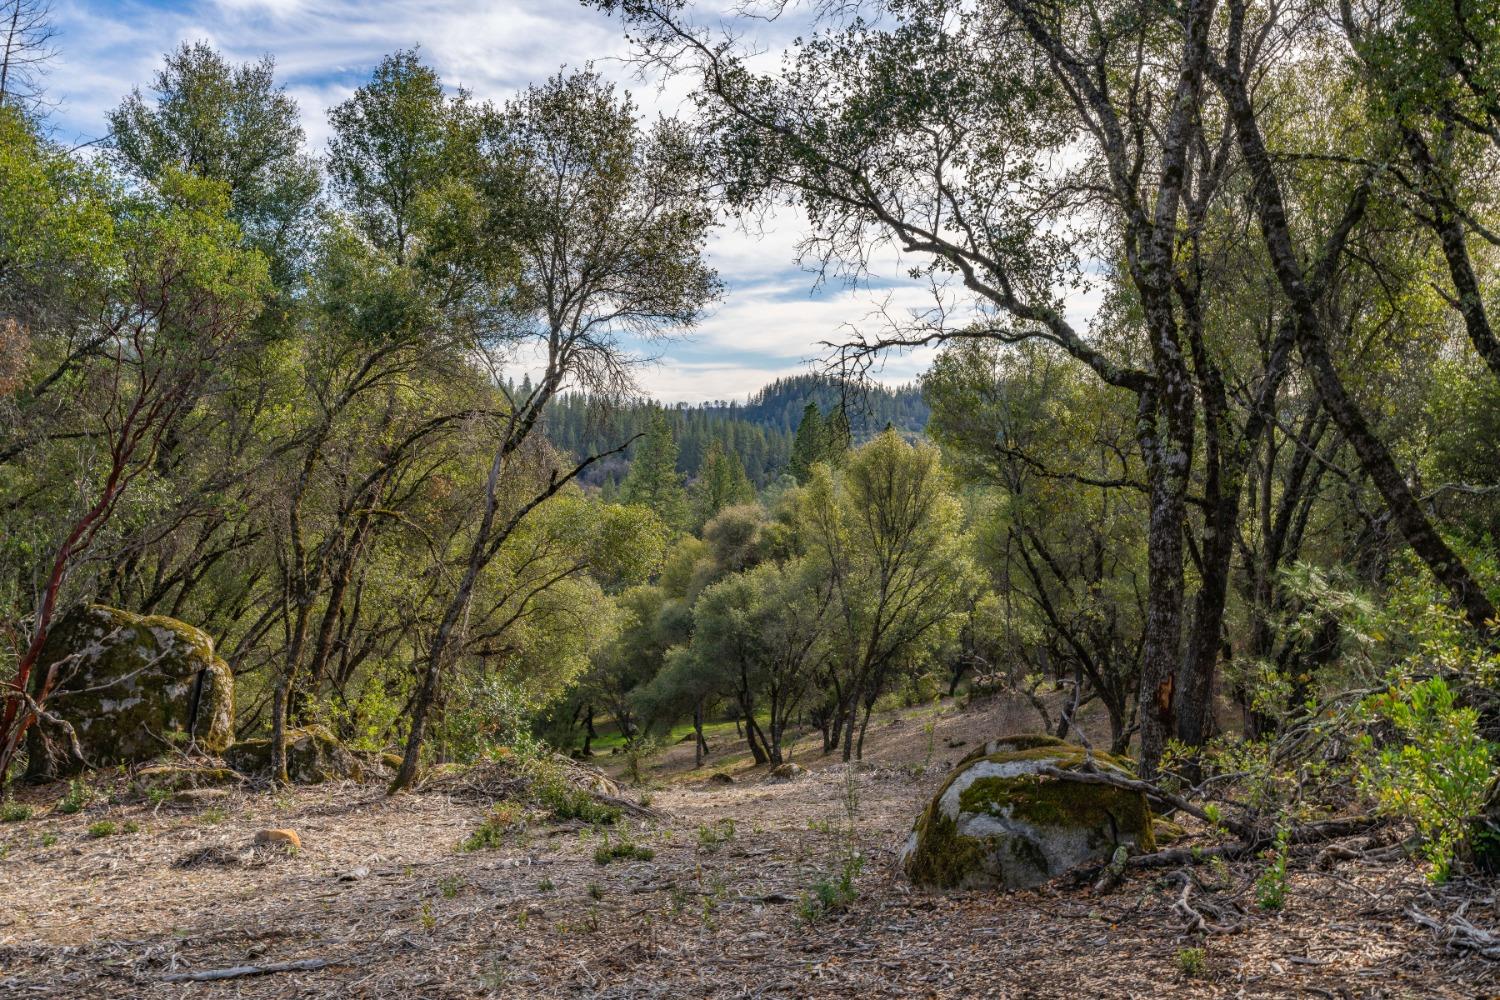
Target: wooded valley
[333,499]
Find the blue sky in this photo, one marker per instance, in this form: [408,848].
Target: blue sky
[772,318]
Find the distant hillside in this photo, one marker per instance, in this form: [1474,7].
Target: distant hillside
[759,430]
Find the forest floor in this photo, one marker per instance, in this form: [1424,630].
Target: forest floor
[381,894]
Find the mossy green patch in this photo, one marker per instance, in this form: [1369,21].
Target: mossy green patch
[1010,825]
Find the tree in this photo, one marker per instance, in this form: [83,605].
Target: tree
[810,446]
[26,33]
[721,483]
[611,242]
[653,480]
[885,531]
[1059,521]
[758,639]
[180,291]
[230,124]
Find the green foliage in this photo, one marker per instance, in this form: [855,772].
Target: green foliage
[14,812]
[1270,884]
[102,828]
[502,818]
[622,850]
[638,753]
[712,836]
[1192,962]
[653,481]
[721,483]
[1437,771]
[829,897]
[78,797]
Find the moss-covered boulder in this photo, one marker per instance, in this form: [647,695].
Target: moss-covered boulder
[129,683]
[998,822]
[313,755]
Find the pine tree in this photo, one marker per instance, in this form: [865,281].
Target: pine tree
[653,480]
[721,483]
[811,444]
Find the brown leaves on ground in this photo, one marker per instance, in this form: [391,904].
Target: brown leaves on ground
[708,915]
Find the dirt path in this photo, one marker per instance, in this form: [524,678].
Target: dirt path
[381,894]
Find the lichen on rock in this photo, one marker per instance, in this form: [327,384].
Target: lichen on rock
[128,684]
[999,822]
[313,755]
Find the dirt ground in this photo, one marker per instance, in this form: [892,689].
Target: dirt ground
[380,895]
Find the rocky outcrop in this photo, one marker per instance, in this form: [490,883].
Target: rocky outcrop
[129,685]
[999,822]
[313,755]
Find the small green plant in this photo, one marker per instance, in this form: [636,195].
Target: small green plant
[1192,962]
[78,797]
[830,896]
[49,839]
[622,849]
[130,826]
[545,885]
[450,886]
[14,812]
[502,818]
[712,836]
[156,795]
[427,917]
[1270,885]
[212,817]
[103,828]
[595,891]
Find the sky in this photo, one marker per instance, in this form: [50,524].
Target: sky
[774,315]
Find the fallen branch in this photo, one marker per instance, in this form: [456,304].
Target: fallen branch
[632,808]
[1197,923]
[1457,934]
[1097,777]
[210,975]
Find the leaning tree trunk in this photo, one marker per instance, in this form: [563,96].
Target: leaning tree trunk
[1374,457]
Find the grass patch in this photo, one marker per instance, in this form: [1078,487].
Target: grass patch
[14,812]
[712,836]
[503,817]
[103,828]
[830,896]
[622,850]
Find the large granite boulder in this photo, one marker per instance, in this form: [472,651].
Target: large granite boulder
[131,685]
[313,755]
[999,822]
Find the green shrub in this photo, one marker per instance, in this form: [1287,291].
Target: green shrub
[14,812]
[103,828]
[78,797]
[1270,885]
[712,835]
[830,896]
[622,849]
[502,818]
[1192,962]
[1437,775]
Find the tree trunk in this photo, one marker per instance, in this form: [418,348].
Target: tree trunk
[1374,457]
